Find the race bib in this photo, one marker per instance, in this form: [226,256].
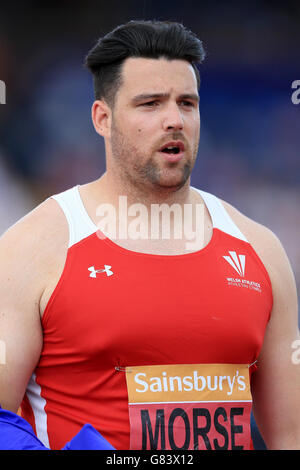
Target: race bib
[198,406]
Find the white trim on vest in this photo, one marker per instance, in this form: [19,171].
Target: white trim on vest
[38,403]
[81,225]
[220,217]
[79,222]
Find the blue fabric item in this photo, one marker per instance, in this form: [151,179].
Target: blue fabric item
[17,434]
[88,439]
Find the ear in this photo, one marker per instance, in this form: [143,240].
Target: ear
[101,117]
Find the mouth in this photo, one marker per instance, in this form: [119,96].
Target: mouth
[172,151]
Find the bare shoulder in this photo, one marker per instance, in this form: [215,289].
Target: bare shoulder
[264,241]
[44,226]
[29,248]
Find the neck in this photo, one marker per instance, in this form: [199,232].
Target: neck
[140,221]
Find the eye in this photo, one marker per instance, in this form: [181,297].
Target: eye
[187,103]
[150,104]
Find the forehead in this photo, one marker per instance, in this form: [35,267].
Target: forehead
[141,75]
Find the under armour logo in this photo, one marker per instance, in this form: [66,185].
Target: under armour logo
[106,270]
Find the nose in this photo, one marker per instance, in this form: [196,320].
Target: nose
[173,119]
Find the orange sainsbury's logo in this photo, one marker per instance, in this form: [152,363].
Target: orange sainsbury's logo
[173,382]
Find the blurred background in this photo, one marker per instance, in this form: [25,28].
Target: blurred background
[250,131]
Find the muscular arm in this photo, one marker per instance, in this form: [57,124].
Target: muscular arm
[26,253]
[276,384]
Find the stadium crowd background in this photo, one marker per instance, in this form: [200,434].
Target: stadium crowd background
[250,130]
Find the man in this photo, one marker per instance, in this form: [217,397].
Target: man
[154,344]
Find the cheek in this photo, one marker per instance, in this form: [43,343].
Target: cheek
[195,128]
[142,134]
[133,127]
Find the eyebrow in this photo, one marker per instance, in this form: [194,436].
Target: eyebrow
[147,96]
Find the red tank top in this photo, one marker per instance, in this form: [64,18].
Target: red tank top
[125,334]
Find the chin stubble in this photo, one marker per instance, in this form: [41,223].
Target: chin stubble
[150,172]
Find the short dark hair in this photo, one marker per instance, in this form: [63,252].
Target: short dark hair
[148,39]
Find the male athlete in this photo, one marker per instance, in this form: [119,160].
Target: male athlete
[156,346]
